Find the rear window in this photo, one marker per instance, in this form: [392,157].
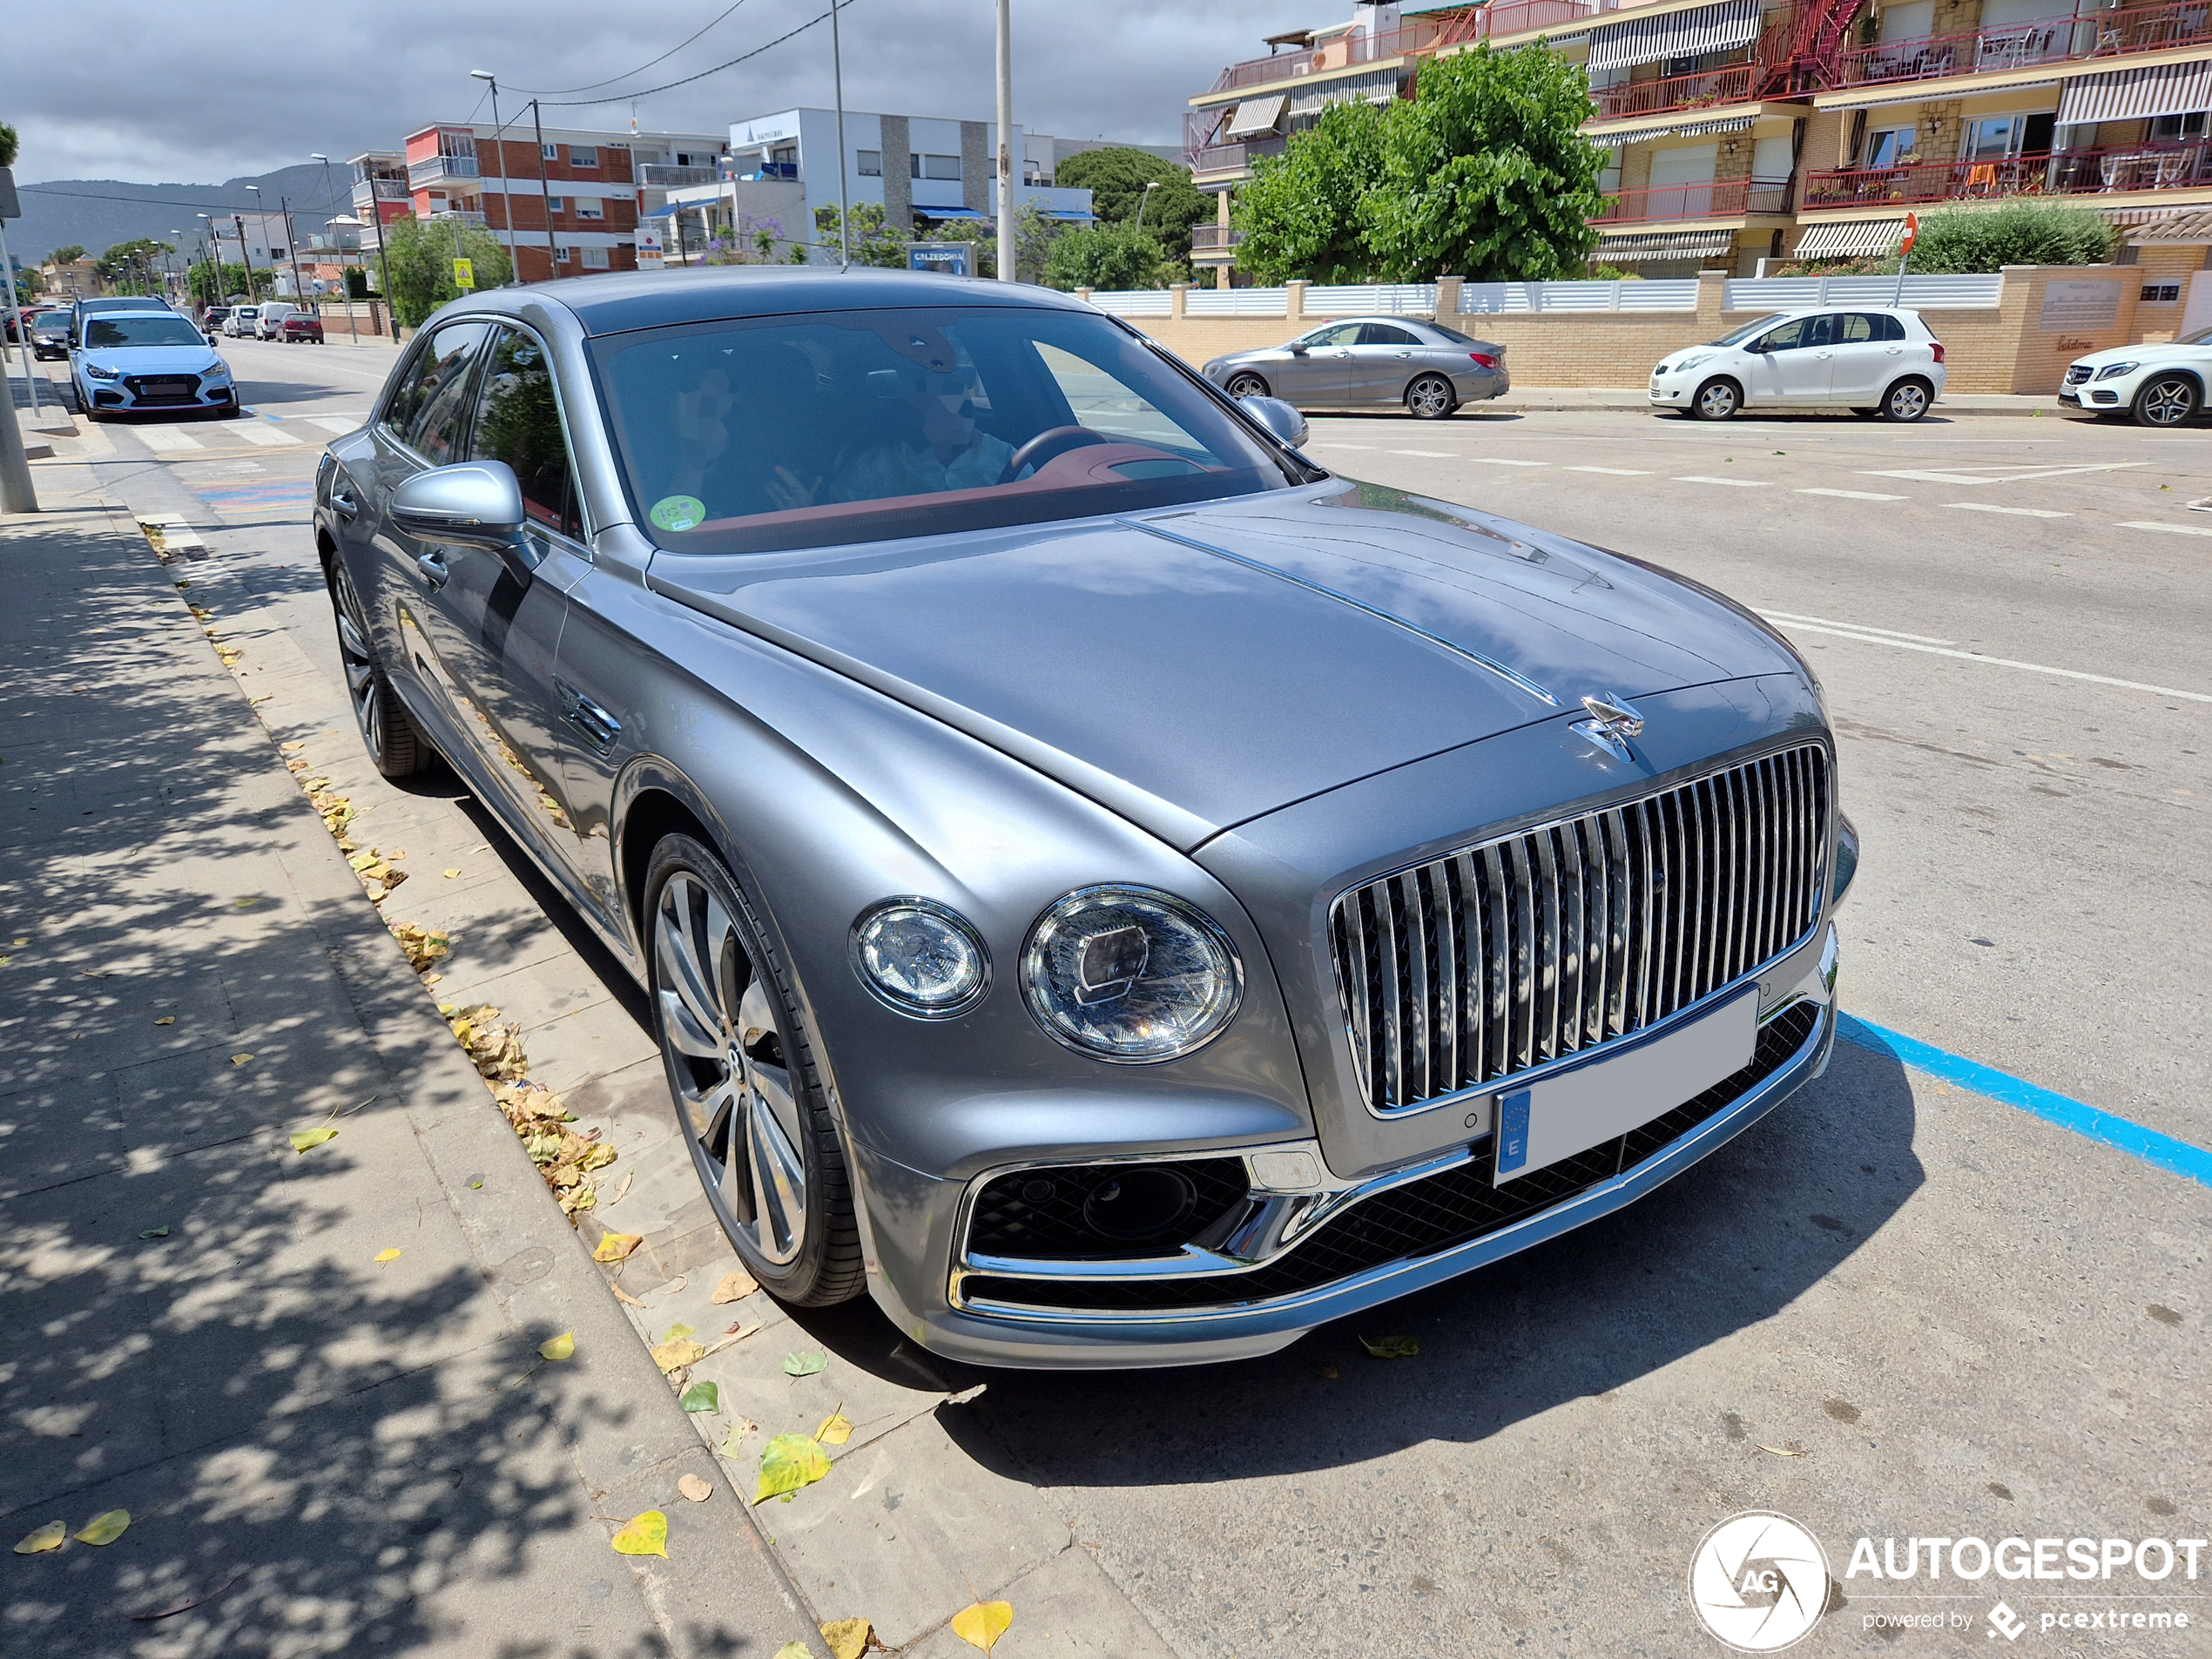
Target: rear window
[754,434]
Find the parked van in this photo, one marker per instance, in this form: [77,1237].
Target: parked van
[269,323]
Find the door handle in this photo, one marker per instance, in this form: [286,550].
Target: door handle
[590,722]
[344,505]
[1404,353]
[433,566]
[1825,355]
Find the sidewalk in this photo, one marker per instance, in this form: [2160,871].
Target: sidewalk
[320,1453]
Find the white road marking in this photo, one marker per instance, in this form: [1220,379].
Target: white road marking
[1854,494]
[161,439]
[1733,483]
[1856,627]
[268,437]
[1330,443]
[338,423]
[1441,455]
[1613,472]
[2006,662]
[2152,524]
[1492,461]
[2018,512]
[2007,475]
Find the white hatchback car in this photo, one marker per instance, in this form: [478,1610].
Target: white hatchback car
[2161,385]
[1873,360]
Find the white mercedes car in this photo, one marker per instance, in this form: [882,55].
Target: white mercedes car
[1871,359]
[2160,386]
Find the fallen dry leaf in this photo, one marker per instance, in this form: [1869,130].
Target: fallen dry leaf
[837,1427]
[390,1253]
[104,1529]
[735,1286]
[166,1018]
[793,1650]
[982,1623]
[676,1353]
[646,1534]
[790,1461]
[1326,1373]
[240,1059]
[697,1490]
[1391,1347]
[737,1334]
[452,874]
[622,1188]
[47,1537]
[1779,1451]
[849,1638]
[614,1247]
[289,748]
[302,1139]
[162,1231]
[560,1347]
[731,1437]
[622,1295]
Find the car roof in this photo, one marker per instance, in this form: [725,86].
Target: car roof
[127,302]
[623,300]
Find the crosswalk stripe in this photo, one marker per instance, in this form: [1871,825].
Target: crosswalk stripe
[338,423]
[160,439]
[268,437]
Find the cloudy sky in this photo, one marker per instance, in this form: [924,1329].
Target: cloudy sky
[178,91]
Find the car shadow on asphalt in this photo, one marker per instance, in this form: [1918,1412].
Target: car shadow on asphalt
[1733,1241]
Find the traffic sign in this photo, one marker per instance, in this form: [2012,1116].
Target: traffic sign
[464,276]
[1911,230]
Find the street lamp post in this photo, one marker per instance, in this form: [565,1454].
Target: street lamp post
[844,202]
[252,298]
[1151,185]
[330,196]
[1007,272]
[292,245]
[499,161]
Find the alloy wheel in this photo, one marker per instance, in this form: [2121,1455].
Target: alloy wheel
[1242,386]
[363,673]
[1716,400]
[1430,397]
[2168,401]
[720,1033]
[1908,401]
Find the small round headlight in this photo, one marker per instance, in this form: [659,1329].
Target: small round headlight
[1130,975]
[921,958]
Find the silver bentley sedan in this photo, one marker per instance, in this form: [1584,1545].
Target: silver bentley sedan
[1423,367]
[1107,888]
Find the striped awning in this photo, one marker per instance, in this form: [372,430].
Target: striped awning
[1663,245]
[1257,115]
[1380,86]
[1691,129]
[1853,239]
[2138,94]
[1678,34]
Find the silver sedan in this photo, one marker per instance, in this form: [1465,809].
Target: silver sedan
[1362,362]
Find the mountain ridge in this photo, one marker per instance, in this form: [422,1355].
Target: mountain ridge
[99,213]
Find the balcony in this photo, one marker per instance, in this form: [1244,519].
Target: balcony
[2023,45]
[383,190]
[2054,172]
[1731,84]
[431,169]
[1214,237]
[1518,16]
[457,215]
[665,176]
[1732,199]
[1344,51]
[1231,157]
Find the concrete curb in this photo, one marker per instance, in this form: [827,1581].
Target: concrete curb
[1572,400]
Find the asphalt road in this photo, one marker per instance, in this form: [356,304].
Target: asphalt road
[1897,1307]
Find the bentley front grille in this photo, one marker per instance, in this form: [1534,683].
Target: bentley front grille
[1509,954]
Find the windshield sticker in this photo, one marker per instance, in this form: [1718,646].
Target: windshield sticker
[677,512]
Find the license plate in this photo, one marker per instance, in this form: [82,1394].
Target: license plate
[1572,1111]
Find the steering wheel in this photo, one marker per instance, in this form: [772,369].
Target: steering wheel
[1049,445]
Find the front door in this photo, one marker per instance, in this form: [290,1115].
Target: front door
[1382,363]
[1793,362]
[1322,372]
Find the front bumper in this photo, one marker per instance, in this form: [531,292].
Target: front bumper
[974,1318]
[127,396]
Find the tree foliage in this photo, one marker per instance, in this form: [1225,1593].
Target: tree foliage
[1116,178]
[212,285]
[68,253]
[8,145]
[874,240]
[2018,231]
[1300,212]
[134,266]
[1486,174]
[420,256]
[1105,256]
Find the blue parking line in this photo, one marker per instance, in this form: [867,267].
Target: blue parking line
[2162,1151]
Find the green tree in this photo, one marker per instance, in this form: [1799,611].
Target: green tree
[1116,177]
[874,240]
[135,266]
[1104,256]
[8,145]
[1300,213]
[2017,231]
[421,256]
[1034,236]
[68,253]
[1486,173]
[212,285]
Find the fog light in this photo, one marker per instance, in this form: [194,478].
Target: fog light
[1149,1201]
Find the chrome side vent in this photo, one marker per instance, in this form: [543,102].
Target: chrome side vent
[1507,956]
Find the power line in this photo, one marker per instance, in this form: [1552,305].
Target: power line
[621,97]
[591,86]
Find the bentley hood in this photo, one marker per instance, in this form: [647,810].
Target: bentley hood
[1193,668]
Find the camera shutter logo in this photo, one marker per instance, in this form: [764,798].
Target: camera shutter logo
[1759,1582]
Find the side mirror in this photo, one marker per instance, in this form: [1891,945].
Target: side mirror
[478,503]
[1298,348]
[1279,417]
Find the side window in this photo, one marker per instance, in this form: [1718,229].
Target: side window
[1788,337]
[1345,334]
[1383,333]
[519,420]
[1856,329]
[1892,325]
[427,411]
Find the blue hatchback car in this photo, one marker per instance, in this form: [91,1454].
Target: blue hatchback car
[129,361]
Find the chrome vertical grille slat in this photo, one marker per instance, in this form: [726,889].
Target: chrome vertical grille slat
[1507,954]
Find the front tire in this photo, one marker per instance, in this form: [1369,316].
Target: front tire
[1908,401]
[747,1098]
[395,746]
[1431,398]
[2168,400]
[1717,400]
[1247,384]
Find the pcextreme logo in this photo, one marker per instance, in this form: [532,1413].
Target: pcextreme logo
[1759,1582]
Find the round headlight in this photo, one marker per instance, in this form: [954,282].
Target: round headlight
[1130,975]
[919,958]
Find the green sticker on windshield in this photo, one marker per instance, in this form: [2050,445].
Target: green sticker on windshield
[677,512]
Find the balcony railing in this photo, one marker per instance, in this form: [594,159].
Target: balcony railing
[2056,173]
[1730,84]
[1214,238]
[1730,200]
[464,215]
[1518,16]
[1225,157]
[667,176]
[1343,51]
[382,190]
[2022,46]
[431,169]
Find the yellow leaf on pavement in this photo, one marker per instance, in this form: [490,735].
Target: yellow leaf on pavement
[837,1427]
[104,1529]
[673,1355]
[847,1638]
[1779,1451]
[302,1139]
[982,1623]
[613,1247]
[560,1347]
[452,874]
[240,1059]
[166,1018]
[646,1534]
[676,1332]
[791,1462]
[389,1253]
[794,1651]
[734,1287]
[47,1537]
[697,1490]
[733,1437]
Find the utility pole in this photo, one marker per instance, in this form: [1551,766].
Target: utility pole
[844,200]
[499,161]
[292,245]
[545,194]
[30,363]
[1006,142]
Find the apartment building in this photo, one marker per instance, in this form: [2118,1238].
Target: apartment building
[567,202]
[1744,130]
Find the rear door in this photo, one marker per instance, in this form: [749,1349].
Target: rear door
[1870,352]
[1382,363]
